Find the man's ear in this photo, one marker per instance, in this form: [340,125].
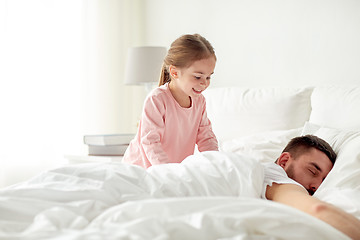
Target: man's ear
[283,159]
[173,71]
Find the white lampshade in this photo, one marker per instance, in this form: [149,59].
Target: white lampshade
[144,65]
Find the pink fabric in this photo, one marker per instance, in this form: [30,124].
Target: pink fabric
[168,132]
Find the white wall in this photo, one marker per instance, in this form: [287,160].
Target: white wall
[110,106]
[40,91]
[61,76]
[267,42]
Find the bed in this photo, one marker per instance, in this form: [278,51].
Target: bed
[211,195]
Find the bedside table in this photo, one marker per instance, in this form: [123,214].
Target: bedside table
[74,159]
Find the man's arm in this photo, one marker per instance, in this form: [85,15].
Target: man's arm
[297,197]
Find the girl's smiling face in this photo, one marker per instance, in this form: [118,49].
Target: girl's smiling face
[189,82]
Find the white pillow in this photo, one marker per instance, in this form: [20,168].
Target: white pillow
[335,137]
[336,107]
[341,187]
[310,128]
[237,112]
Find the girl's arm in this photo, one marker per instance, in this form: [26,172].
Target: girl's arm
[206,139]
[297,197]
[152,129]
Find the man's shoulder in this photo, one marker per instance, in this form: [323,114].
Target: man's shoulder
[273,167]
[276,174]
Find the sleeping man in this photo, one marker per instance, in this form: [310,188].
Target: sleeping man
[298,172]
[291,180]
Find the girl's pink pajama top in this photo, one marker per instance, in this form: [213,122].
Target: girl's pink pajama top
[167,132]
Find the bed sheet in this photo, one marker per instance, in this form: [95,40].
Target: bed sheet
[212,195]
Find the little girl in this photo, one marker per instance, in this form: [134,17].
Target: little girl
[174,116]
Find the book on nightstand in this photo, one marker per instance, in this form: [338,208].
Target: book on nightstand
[111,150]
[108,139]
[108,145]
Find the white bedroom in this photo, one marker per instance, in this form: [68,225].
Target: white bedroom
[284,68]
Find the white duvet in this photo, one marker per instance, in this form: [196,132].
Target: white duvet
[213,195]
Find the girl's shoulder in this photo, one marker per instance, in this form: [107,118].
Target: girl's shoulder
[159,92]
[159,95]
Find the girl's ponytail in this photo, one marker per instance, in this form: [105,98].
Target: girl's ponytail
[164,75]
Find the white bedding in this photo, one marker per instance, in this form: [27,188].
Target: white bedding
[209,196]
[214,195]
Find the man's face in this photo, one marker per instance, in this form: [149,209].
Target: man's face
[309,169]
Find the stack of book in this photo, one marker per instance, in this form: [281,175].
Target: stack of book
[108,144]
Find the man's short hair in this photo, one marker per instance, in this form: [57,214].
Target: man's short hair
[299,145]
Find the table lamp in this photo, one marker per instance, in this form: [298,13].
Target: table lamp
[144,65]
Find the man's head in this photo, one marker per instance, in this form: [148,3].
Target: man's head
[308,160]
